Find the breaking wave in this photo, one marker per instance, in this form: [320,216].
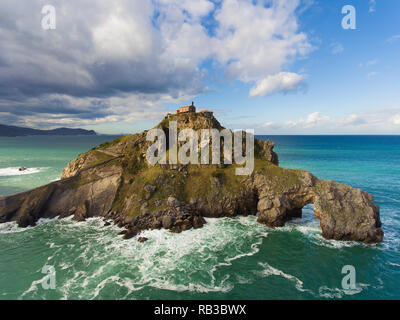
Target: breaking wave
[195,261]
[11,227]
[14,171]
[309,227]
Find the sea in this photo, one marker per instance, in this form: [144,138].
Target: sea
[230,258]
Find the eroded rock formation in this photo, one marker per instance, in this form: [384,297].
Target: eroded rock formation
[114,181]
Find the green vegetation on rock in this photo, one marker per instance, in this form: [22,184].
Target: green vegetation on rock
[115,181]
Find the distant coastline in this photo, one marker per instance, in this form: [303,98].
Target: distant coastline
[14,131]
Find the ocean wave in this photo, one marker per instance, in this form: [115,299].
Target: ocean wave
[34,287]
[14,171]
[322,292]
[196,261]
[271,271]
[311,229]
[337,293]
[11,227]
[393,264]
[92,262]
[42,221]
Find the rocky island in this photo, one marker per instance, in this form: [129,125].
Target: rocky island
[115,181]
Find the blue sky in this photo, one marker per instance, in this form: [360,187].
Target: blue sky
[362,77]
[279,67]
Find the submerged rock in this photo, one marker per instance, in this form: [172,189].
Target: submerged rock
[114,181]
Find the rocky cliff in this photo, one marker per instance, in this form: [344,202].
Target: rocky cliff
[115,181]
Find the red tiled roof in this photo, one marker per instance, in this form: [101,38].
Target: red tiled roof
[202,111]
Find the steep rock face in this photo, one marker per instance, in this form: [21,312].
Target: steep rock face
[345,213]
[114,181]
[90,193]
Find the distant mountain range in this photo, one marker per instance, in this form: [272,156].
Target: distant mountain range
[13,131]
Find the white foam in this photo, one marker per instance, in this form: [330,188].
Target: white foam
[323,292]
[312,230]
[335,244]
[337,293]
[393,264]
[33,288]
[42,221]
[14,171]
[11,227]
[271,271]
[166,261]
[195,261]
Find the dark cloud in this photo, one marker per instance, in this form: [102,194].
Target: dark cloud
[65,71]
[109,59]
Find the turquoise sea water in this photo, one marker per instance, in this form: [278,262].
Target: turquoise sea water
[228,258]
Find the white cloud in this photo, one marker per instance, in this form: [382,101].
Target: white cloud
[280,82]
[119,36]
[372,74]
[393,38]
[369,63]
[395,120]
[336,48]
[372,62]
[314,119]
[254,41]
[128,108]
[372,5]
[270,125]
[353,119]
[149,51]
[376,121]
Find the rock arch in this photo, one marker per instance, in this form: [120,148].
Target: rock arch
[345,213]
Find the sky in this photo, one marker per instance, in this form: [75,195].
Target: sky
[278,67]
